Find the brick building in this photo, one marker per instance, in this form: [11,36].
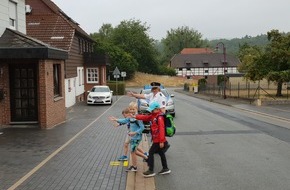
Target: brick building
[46,63]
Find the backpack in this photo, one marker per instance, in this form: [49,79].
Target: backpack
[146,127]
[169,124]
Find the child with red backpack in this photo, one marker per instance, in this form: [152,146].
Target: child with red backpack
[158,137]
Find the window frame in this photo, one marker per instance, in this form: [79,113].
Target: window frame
[57,80]
[94,71]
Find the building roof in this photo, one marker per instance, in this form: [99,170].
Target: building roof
[15,45]
[48,23]
[196,50]
[203,60]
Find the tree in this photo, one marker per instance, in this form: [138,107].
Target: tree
[177,39]
[132,36]
[104,34]
[250,64]
[278,59]
[272,64]
[118,58]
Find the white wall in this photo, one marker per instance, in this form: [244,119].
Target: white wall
[202,71]
[74,87]
[70,93]
[4,16]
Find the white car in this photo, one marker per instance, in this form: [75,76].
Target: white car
[100,95]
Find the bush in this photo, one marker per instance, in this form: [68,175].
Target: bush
[202,84]
[117,86]
[186,87]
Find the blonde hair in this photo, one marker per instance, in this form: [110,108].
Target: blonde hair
[133,105]
[126,111]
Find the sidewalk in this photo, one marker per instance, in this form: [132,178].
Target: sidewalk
[280,111]
[78,154]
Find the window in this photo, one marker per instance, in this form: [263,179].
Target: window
[80,49]
[69,85]
[80,77]
[92,75]
[56,80]
[12,14]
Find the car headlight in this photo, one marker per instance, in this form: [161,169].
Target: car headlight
[108,97]
[90,97]
[144,104]
[169,103]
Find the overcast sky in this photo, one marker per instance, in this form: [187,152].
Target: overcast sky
[214,19]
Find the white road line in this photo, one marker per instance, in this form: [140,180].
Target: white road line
[35,169]
[265,115]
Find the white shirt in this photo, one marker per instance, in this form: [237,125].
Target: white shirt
[158,97]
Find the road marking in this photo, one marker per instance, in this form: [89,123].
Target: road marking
[126,163]
[114,163]
[35,169]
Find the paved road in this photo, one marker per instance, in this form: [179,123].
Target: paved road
[78,153]
[221,147]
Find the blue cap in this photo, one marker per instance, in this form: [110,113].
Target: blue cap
[153,106]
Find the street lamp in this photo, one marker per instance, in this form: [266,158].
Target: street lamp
[224,64]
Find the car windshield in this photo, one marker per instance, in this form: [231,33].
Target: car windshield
[147,91]
[100,89]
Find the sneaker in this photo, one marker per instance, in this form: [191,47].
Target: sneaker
[148,173]
[145,160]
[131,169]
[123,158]
[164,171]
[166,148]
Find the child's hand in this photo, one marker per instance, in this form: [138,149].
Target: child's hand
[112,118]
[115,123]
[131,134]
[130,93]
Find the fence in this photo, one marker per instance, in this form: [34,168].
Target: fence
[249,90]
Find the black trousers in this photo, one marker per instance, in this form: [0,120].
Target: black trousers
[155,148]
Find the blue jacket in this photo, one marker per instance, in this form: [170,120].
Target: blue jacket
[135,126]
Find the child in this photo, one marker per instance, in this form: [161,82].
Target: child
[135,133]
[158,138]
[133,109]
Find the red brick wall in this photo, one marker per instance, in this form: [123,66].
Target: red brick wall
[51,110]
[5,103]
[212,79]
[102,79]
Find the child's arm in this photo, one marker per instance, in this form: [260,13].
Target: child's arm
[143,117]
[141,127]
[118,122]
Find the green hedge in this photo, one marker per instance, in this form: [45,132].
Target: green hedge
[117,84]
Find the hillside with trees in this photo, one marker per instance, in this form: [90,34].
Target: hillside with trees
[234,45]
[131,49]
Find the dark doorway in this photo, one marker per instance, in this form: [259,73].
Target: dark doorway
[23,91]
